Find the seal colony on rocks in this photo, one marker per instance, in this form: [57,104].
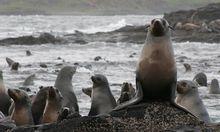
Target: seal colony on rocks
[64,84]
[156,73]
[102,99]
[188,97]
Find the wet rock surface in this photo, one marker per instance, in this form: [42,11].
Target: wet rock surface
[152,116]
[30,40]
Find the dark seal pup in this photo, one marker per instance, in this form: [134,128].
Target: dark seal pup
[39,103]
[64,85]
[22,112]
[102,99]
[200,79]
[156,73]
[53,106]
[11,63]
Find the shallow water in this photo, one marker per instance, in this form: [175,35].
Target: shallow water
[116,63]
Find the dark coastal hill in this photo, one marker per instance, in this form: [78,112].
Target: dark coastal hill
[96,7]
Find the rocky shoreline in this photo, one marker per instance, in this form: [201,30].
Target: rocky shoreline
[152,116]
[199,25]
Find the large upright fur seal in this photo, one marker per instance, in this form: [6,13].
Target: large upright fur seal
[102,99]
[5,100]
[188,97]
[53,106]
[156,73]
[64,85]
[22,112]
[39,103]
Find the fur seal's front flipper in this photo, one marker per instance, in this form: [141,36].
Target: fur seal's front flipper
[135,100]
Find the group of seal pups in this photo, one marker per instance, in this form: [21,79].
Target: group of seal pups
[156,80]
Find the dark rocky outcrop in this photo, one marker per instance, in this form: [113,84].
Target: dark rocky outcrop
[44,38]
[199,25]
[152,116]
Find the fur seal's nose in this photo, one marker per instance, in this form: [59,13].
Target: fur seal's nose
[157,22]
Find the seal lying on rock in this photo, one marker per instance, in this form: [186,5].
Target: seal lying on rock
[102,99]
[53,106]
[5,100]
[39,103]
[14,65]
[156,73]
[22,112]
[188,97]
[214,87]
[200,79]
[64,85]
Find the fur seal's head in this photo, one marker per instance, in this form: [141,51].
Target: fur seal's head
[20,97]
[200,79]
[67,72]
[54,95]
[159,27]
[184,87]
[15,66]
[99,80]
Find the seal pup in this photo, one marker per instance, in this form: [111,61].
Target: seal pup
[127,92]
[14,65]
[28,53]
[39,103]
[64,84]
[187,67]
[188,97]
[200,79]
[22,111]
[102,99]
[156,73]
[53,106]
[5,100]
[214,87]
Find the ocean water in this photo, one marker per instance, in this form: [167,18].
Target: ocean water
[116,63]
